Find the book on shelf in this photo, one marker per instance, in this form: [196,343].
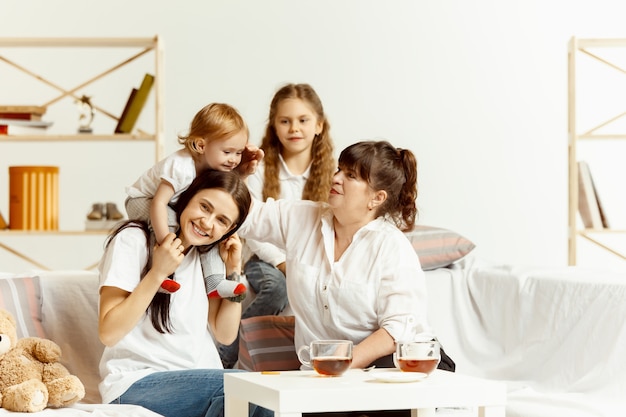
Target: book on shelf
[23,127]
[22,112]
[134,105]
[589,206]
[605,222]
[133,93]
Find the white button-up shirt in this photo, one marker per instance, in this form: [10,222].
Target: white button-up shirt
[291,187]
[377,283]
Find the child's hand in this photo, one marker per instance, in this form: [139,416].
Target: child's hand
[168,255]
[250,159]
[230,252]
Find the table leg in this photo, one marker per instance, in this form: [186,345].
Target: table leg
[234,407]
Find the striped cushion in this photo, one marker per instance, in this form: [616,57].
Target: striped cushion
[437,247]
[266,344]
[21,296]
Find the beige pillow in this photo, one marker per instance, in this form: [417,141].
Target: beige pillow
[437,247]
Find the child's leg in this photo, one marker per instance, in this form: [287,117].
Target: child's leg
[138,208]
[215,281]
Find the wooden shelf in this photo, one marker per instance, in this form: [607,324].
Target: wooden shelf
[601,137]
[578,47]
[78,137]
[53,232]
[120,42]
[602,231]
[131,49]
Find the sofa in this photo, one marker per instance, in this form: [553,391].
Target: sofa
[556,336]
[62,306]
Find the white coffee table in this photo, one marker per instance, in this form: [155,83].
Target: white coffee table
[291,393]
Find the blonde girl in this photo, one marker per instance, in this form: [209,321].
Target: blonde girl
[298,164]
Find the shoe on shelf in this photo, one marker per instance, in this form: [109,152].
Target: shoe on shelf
[113,213]
[97,212]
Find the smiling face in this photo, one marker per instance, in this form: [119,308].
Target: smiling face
[350,193]
[352,198]
[296,125]
[210,214]
[223,155]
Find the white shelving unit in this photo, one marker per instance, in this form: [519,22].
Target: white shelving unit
[15,51]
[608,127]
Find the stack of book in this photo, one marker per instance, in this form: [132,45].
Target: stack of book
[22,120]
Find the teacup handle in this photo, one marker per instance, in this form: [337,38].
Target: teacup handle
[395,360]
[300,354]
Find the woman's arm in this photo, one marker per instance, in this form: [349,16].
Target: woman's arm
[158,210]
[375,346]
[120,310]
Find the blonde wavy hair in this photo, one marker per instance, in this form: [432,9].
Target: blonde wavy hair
[323,165]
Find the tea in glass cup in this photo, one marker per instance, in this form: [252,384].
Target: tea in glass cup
[327,357]
[418,356]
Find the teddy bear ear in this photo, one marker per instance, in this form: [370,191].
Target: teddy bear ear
[5,313]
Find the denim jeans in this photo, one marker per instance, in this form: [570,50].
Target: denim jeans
[269,285]
[186,393]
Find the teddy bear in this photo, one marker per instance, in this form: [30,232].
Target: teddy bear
[31,376]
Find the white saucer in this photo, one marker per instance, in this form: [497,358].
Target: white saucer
[398,376]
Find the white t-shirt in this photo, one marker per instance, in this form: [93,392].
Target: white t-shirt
[144,350]
[291,187]
[377,283]
[178,169]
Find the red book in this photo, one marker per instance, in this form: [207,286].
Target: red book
[20,116]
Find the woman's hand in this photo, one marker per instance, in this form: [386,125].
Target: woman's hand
[230,252]
[168,255]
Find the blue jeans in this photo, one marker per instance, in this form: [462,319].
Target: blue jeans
[186,393]
[270,288]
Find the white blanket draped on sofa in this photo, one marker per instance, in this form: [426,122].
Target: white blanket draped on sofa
[556,335]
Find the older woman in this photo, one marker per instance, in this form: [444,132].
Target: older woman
[351,273]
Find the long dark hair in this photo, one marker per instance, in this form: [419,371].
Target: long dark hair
[230,182]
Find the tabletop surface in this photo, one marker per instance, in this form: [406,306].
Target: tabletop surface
[307,391]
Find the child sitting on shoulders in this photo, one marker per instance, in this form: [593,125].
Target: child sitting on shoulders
[217,139]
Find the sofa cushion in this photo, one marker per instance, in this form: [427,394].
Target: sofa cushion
[437,247]
[266,344]
[21,296]
[70,317]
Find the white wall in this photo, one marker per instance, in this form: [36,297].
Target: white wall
[477,89]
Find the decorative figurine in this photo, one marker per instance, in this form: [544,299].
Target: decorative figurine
[87,113]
